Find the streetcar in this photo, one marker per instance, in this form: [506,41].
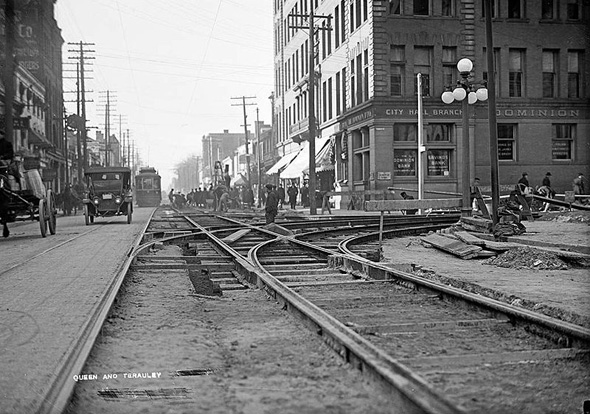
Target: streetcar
[109,193]
[148,188]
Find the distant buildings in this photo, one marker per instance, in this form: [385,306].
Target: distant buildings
[366,94]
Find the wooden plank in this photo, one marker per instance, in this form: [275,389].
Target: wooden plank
[477,224]
[389,205]
[234,237]
[455,247]
[469,238]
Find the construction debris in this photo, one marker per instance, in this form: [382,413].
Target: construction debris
[528,258]
[455,247]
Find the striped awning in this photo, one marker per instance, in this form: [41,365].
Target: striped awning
[283,162]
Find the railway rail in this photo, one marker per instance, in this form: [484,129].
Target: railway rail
[434,348]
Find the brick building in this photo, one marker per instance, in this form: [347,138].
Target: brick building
[366,106]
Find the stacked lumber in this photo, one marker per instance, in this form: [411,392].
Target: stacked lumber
[477,225]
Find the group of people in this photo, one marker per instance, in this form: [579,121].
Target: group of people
[218,198]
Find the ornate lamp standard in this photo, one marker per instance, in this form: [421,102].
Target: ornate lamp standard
[467,92]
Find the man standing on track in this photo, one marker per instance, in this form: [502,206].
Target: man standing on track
[272,204]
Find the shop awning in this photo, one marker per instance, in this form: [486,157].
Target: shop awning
[301,163]
[283,162]
[238,180]
[323,159]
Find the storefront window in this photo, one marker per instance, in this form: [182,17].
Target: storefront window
[439,162]
[438,132]
[563,140]
[404,162]
[506,140]
[405,132]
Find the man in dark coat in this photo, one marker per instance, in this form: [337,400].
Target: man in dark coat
[272,204]
[281,194]
[305,195]
[292,192]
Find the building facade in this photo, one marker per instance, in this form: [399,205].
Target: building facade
[38,86]
[366,89]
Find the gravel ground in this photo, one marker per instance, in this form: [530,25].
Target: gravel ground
[559,291]
[244,354]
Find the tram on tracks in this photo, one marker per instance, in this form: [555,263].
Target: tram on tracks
[148,187]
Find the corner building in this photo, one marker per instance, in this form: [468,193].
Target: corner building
[366,89]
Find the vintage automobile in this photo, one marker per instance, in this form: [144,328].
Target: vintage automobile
[109,193]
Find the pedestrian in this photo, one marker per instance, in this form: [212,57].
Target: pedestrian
[292,193]
[281,194]
[305,195]
[171,196]
[578,187]
[524,189]
[272,204]
[406,196]
[474,189]
[326,202]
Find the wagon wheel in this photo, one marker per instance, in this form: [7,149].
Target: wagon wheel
[129,212]
[87,217]
[43,217]
[52,212]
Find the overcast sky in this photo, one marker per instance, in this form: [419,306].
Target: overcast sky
[173,67]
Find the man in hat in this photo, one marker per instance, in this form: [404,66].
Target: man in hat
[272,204]
[546,191]
[578,187]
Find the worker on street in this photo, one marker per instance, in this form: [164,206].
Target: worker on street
[272,204]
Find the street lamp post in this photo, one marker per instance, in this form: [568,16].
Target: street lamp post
[467,92]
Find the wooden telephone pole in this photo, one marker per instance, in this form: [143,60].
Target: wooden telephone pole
[313,30]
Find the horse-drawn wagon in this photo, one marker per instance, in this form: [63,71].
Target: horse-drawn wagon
[24,197]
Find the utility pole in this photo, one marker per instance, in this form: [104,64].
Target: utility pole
[258,196]
[107,124]
[9,72]
[243,98]
[313,30]
[81,78]
[65,127]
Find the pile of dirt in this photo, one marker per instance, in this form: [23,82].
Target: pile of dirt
[527,258]
[575,216]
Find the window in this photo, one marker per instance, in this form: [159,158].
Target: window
[405,132]
[359,79]
[365,10]
[337,27]
[358,19]
[395,7]
[421,7]
[351,14]
[506,142]
[448,8]
[352,84]
[573,9]
[397,70]
[338,107]
[563,140]
[438,162]
[343,20]
[324,102]
[574,83]
[549,74]
[515,9]
[494,9]
[439,132]
[366,76]
[449,60]
[404,162]
[549,10]
[344,90]
[422,59]
[323,30]
[515,72]
[330,98]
